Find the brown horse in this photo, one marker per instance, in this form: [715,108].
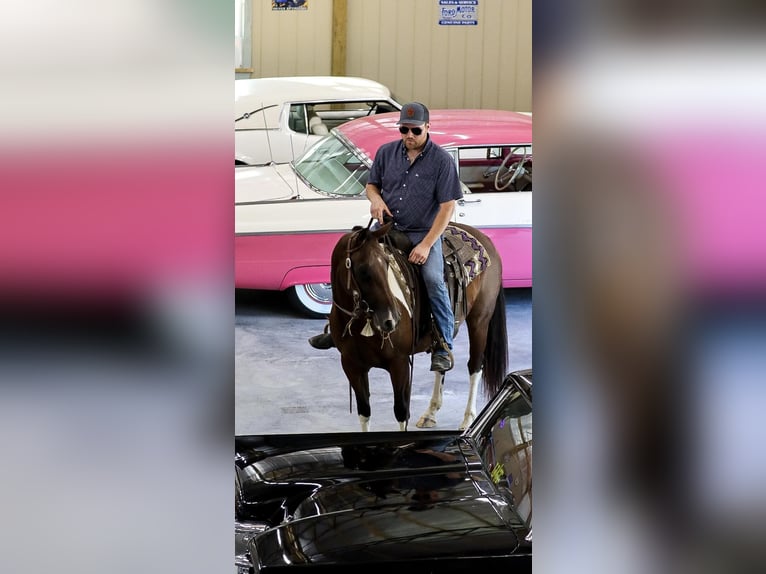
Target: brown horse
[376,323]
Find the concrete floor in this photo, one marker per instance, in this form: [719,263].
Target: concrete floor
[283,385]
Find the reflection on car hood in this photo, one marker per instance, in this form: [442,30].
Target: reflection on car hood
[352,501]
[269,183]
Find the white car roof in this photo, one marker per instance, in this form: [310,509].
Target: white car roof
[269,94]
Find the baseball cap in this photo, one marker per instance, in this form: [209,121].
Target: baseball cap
[413,113]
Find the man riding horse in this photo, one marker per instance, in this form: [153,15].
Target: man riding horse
[414,181]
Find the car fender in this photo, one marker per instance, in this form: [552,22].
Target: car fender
[304,275]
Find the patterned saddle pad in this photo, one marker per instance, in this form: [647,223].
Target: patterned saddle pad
[468,251]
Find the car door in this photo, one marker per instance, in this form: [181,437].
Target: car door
[502,210]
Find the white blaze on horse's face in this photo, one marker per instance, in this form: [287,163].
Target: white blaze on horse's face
[390,316]
[378,293]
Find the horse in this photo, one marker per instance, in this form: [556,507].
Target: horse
[377,322]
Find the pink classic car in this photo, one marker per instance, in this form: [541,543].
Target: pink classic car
[288,217]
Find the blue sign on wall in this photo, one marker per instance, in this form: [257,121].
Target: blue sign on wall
[289,4]
[458,12]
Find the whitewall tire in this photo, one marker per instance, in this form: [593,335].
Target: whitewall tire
[312,299]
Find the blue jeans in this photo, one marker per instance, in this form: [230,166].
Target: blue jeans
[433,276]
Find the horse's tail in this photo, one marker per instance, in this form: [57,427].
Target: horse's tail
[496,350]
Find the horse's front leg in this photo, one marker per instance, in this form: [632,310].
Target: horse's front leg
[362,393]
[470,407]
[400,381]
[428,419]
[360,383]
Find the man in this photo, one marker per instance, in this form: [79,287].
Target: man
[415,182]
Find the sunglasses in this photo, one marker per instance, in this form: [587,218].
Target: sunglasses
[415,131]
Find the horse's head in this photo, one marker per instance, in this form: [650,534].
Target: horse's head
[361,270]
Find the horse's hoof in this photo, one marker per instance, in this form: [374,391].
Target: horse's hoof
[465,424]
[426,422]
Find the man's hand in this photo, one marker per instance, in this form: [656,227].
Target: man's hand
[377,208]
[419,254]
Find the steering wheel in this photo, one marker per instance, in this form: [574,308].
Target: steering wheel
[509,171]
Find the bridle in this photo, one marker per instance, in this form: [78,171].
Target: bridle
[361,306]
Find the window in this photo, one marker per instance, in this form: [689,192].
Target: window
[333,114]
[332,168]
[243,26]
[498,168]
[506,449]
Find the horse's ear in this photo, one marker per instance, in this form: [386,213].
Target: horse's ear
[382,230]
[357,228]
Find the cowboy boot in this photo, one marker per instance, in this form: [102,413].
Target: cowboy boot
[322,341]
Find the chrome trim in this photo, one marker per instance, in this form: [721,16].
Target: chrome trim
[243,561]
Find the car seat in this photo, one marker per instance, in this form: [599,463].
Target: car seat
[317,126]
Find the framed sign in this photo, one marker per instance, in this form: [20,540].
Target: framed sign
[458,12]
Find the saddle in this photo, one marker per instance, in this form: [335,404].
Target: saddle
[464,259]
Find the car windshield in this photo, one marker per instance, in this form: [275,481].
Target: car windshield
[506,449]
[331,167]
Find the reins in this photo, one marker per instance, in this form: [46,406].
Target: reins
[361,307]
[357,311]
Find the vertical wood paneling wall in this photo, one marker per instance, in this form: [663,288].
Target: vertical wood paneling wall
[400,43]
[292,42]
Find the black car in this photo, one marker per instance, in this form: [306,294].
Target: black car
[417,501]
